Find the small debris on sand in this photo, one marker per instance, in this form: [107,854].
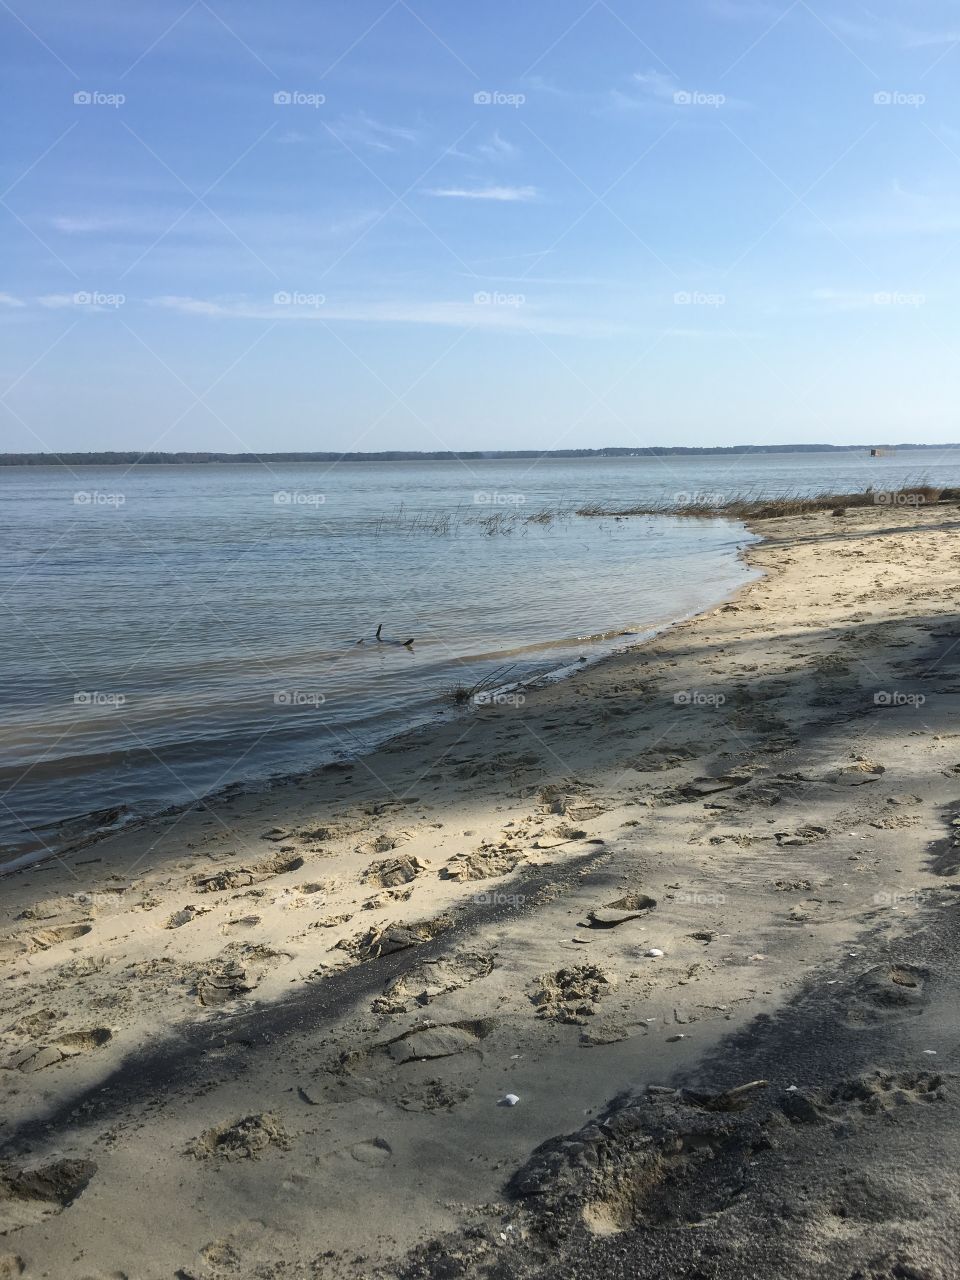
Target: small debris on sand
[570,995]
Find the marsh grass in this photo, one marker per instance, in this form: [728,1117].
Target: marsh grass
[756,507]
[503,522]
[492,523]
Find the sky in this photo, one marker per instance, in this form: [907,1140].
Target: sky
[432,225]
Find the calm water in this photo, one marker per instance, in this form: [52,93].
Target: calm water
[167,631]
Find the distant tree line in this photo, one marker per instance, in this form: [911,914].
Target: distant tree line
[129,457]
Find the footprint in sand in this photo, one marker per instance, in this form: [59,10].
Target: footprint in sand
[240,922]
[390,872]
[655,760]
[570,802]
[27,1196]
[423,983]
[223,985]
[242,877]
[237,878]
[886,993]
[632,906]
[70,1045]
[373,1151]
[185,915]
[383,843]
[403,1069]
[873,1093]
[229,977]
[484,864]
[856,775]
[279,864]
[46,938]
[384,940]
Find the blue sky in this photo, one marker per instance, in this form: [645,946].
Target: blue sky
[429,225]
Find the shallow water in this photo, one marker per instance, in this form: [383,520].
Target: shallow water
[169,630]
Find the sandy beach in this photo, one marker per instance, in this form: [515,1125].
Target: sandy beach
[484,1003]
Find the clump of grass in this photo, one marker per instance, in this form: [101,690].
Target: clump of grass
[431,522]
[496,522]
[462,695]
[753,507]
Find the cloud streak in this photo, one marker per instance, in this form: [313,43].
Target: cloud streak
[506,195]
[482,314]
[363,130]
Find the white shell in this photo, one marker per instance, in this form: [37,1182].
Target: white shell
[509,1100]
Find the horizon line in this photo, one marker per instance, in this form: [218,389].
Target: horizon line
[135,457]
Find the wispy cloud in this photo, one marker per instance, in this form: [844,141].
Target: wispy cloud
[656,84]
[290,228]
[363,130]
[654,90]
[586,282]
[498,148]
[481,314]
[90,224]
[872,28]
[8,300]
[494,150]
[508,195]
[54,301]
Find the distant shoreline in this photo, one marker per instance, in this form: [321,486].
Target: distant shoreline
[133,457]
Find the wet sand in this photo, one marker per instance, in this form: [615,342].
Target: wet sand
[274,1036]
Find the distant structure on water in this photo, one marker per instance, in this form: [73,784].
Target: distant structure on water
[881,453]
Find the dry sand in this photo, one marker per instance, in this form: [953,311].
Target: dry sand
[272,1037]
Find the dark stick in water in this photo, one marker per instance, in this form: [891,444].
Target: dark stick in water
[407,644]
